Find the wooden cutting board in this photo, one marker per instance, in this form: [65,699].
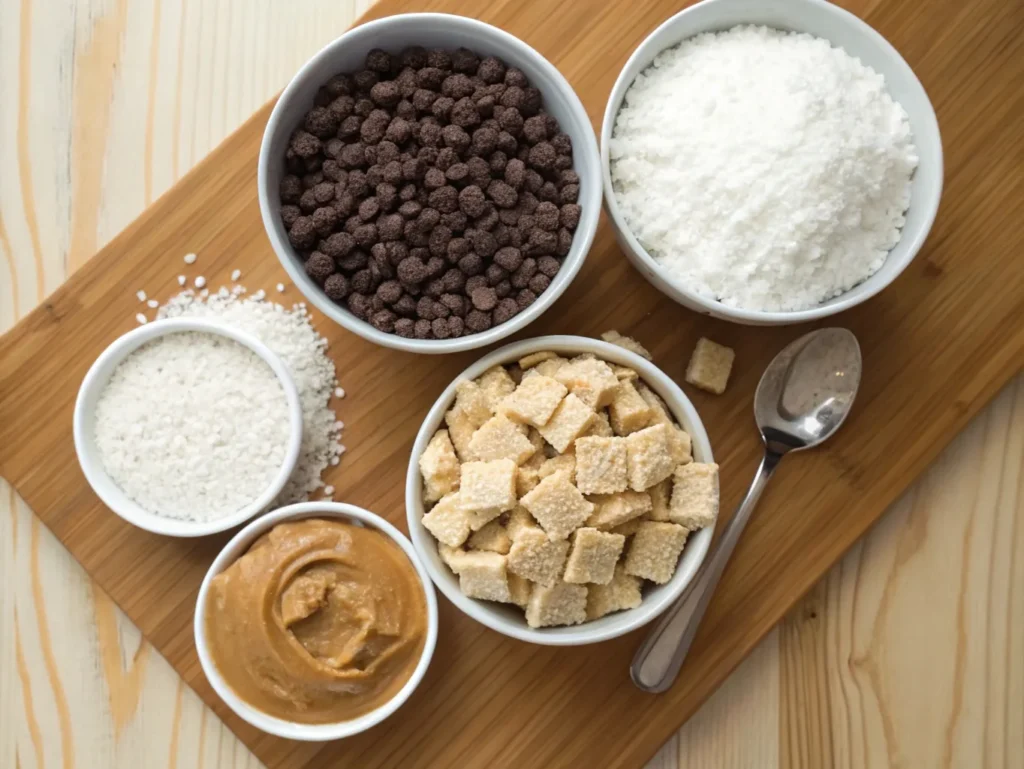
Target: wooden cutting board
[937,344]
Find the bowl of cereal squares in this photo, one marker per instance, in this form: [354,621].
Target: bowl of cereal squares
[430,182]
[562,490]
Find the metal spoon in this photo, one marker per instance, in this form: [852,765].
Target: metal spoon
[802,399]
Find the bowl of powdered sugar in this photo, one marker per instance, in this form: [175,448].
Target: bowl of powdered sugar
[770,162]
[187,426]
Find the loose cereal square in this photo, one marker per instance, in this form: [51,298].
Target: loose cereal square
[519,520]
[562,604]
[628,411]
[528,475]
[439,467]
[600,427]
[471,400]
[500,438]
[550,366]
[453,557]
[561,463]
[534,401]
[710,366]
[659,411]
[650,456]
[448,521]
[655,550]
[570,420]
[593,557]
[557,505]
[486,488]
[493,537]
[661,496]
[484,576]
[694,502]
[600,465]
[626,343]
[622,593]
[519,589]
[460,430]
[589,379]
[535,557]
[613,510]
[531,360]
[496,384]
[624,373]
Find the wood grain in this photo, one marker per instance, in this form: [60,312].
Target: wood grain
[729,764]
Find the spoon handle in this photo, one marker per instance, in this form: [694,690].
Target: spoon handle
[659,658]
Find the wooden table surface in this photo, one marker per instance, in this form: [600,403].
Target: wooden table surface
[910,653]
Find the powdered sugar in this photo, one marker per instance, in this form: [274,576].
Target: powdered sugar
[766,169]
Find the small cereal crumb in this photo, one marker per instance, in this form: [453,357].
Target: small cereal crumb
[622,593]
[483,575]
[534,358]
[628,412]
[439,467]
[141,295]
[562,604]
[661,495]
[534,400]
[487,489]
[626,343]
[535,557]
[593,556]
[655,551]
[570,420]
[152,303]
[141,319]
[651,456]
[710,366]
[190,258]
[236,274]
[601,465]
[694,502]
[339,393]
[200,282]
[328,490]
[181,280]
[280,288]
[493,537]
[448,521]
[500,438]
[613,510]
[557,505]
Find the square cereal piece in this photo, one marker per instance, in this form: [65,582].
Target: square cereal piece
[531,360]
[694,502]
[550,366]
[519,589]
[439,467]
[500,438]
[558,506]
[496,384]
[562,604]
[590,379]
[535,557]
[650,456]
[519,520]
[460,430]
[626,343]
[453,557]
[488,486]
[484,576]
[492,537]
[600,427]
[471,400]
[710,366]
[528,475]
[593,557]
[448,521]
[628,412]
[534,401]
[661,496]
[624,373]
[629,528]
[570,420]
[613,510]
[659,411]
[681,446]
[561,463]
[655,551]
[600,465]
[622,593]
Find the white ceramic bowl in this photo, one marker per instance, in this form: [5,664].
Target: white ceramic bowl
[85,414]
[237,547]
[431,30]
[509,619]
[841,28]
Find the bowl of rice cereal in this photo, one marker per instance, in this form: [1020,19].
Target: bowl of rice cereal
[562,491]
[769,163]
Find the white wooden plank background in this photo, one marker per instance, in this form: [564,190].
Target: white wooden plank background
[910,653]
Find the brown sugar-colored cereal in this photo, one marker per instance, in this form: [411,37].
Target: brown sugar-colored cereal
[556,504]
[495,384]
[439,467]
[534,401]
[570,420]
[483,575]
[613,510]
[661,496]
[593,556]
[654,552]
[500,438]
[600,465]
[694,502]
[536,557]
[710,366]
[448,521]
[620,594]
[493,537]
[628,412]
[650,456]
[561,604]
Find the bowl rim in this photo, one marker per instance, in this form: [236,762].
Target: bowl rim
[844,301]
[88,455]
[583,237]
[236,547]
[488,615]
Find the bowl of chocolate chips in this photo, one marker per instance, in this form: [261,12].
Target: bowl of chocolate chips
[430,182]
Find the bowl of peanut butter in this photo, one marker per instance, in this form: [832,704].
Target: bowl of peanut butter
[316,622]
